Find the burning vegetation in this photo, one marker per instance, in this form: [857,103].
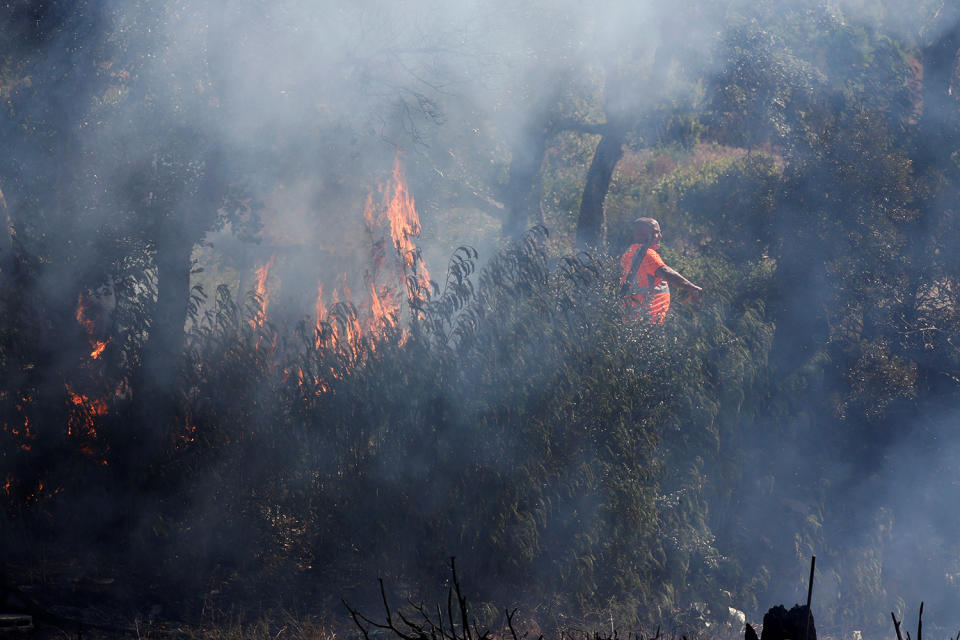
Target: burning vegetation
[302,436]
[397,283]
[227,374]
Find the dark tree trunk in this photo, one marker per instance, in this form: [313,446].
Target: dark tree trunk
[174,236]
[591,224]
[624,113]
[154,382]
[795,624]
[163,350]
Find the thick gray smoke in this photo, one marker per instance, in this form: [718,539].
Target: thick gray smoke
[306,105]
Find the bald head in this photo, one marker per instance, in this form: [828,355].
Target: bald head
[646,230]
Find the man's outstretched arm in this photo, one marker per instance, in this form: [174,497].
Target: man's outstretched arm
[674,279]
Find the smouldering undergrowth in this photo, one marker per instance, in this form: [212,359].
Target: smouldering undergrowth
[510,418]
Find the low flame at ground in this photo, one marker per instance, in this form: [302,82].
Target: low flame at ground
[90,327]
[85,411]
[98,349]
[82,422]
[25,433]
[188,435]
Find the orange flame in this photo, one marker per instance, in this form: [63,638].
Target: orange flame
[98,348]
[82,420]
[25,433]
[188,436]
[262,293]
[344,333]
[404,223]
[397,213]
[81,315]
[38,494]
[321,310]
[383,310]
[122,390]
[90,327]
[390,217]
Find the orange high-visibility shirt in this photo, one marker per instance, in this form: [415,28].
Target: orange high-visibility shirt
[648,292]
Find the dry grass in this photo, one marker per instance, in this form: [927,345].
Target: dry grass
[285,626]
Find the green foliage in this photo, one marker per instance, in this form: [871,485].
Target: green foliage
[570,460]
[563,173]
[725,205]
[517,425]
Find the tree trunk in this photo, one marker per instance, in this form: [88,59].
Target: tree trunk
[154,382]
[174,236]
[591,225]
[624,113]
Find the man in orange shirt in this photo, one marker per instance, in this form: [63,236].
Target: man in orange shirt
[646,277]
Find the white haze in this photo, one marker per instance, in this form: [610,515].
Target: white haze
[313,100]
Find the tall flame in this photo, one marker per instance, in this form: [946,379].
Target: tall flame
[262,292]
[391,218]
[405,225]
